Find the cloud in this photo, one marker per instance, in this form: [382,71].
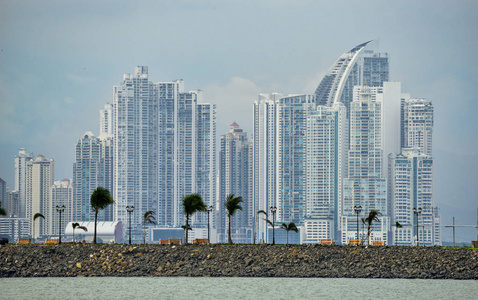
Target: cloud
[234,102]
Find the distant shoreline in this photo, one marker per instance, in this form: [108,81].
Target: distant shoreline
[302,261]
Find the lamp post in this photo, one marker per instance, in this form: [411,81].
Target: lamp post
[129,209]
[273,211]
[209,209]
[417,212]
[60,209]
[357,210]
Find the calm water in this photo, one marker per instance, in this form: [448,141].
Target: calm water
[234,288]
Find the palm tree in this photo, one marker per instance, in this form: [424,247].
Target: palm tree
[192,204]
[3,212]
[397,225]
[372,216]
[148,218]
[77,225]
[289,227]
[257,215]
[100,199]
[232,204]
[36,216]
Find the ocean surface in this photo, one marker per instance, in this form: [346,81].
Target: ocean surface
[234,288]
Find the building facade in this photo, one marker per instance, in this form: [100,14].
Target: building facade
[326,166]
[93,167]
[365,184]
[20,178]
[418,125]
[39,179]
[411,187]
[235,172]
[61,195]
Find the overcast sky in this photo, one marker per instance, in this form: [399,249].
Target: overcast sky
[60,59]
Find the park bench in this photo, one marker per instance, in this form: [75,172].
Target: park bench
[326,242]
[378,243]
[175,241]
[200,241]
[474,244]
[355,242]
[51,241]
[164,242]
[24,241]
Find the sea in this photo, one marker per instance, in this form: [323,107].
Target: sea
[234,288]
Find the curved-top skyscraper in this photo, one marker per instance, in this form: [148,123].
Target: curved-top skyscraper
[355,67]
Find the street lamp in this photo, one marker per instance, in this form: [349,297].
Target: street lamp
[209,209]
[357,210]
[273,211]
[417,212]
[60,209]
[129,209]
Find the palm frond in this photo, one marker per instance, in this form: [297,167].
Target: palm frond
[83,228]
[398,225]
[269,222]
[261,212]
[232,204]
[75,225]
[3,212]
[38,215]
[100,198]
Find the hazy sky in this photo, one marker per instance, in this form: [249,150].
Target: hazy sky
[60,59]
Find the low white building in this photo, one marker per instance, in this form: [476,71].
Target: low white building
[108,232]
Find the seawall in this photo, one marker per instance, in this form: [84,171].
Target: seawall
[237,261]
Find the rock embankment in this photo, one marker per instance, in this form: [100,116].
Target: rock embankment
[237,261]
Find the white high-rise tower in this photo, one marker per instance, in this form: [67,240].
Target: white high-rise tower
[20,179]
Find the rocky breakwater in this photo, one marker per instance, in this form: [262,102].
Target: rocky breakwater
[237,260]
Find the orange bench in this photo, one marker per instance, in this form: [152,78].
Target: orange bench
[378,243]
[326,242]
[24,241]
[164,242]
[175,241]
[201,241]
[354,241]
[474,244]
[51,241]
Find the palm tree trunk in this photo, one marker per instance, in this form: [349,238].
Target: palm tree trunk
[287,235]
[187,229]
[33,232]
[229,239]
[368,235]
[73,235]
[144,234]
[96,218]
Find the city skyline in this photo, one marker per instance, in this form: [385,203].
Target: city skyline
[45,121]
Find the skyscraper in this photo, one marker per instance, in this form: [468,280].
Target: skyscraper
[356,67]
[264,159]
[93,167]
[164,149]
[20,178]
[411,186]
[135,126]
[292,114]
[106,120]
[326,161]
[418,125]
[3,193]
[38,182]
[61,195]
[365,184]
[235,170]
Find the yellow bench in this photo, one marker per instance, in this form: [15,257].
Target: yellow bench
[51,241]
[378,243]
[326,242]
[24,241]
[164,242]
[474,244]
[354,241]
